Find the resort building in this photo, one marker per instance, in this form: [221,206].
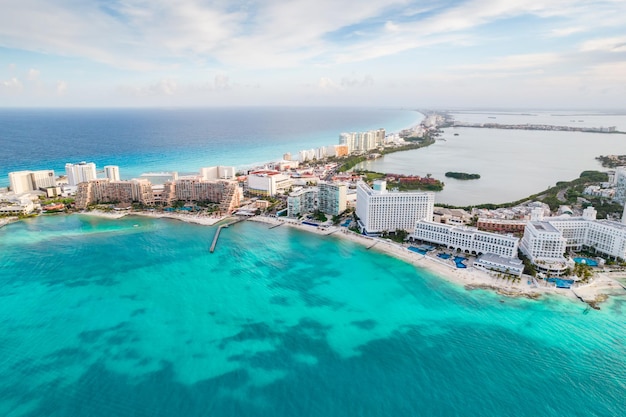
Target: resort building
[117,192]
[362,141]
[25,181]
[380,210]
[112,172]
[195,189]
[497,263]
[546,241]
[218,173]
[268,183]
[81,172]
[21,207]
[302,201]
[332,198]
[467,239]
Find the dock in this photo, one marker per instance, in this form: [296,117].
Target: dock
[276,225]
[219,230]
[370,247]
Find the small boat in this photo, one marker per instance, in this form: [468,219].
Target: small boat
[135,225]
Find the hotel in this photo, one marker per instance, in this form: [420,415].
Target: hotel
[379,210]
[467,239]
[81,172]
[546,241]
[268,183]
[25,181]
[107,191]
[196,189]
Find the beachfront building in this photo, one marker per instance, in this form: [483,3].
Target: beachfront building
[466,239]
[112,172]
[362,141]
[21,206]
[380,210]
[546,241]
[218,173]
[620,185]
[497,263]
[268,183]
[191,189]
[80,172]
[116,192]
[26,181]
[332,198]
[302,201]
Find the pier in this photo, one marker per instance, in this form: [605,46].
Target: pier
[219,230]
[276,225]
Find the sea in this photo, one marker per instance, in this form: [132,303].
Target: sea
[135,317]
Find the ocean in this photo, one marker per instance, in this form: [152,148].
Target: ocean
[183,140]
[134,317]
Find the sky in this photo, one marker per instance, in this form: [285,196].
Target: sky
[393,53]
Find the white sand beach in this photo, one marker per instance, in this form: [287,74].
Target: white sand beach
[188,218]
[471,278]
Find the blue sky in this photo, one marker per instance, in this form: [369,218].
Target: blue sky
[487,53]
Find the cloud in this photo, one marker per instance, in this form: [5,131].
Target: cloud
[327,84]
[617,44]
[12,85]
[33,74]
[353,81]
[61,88]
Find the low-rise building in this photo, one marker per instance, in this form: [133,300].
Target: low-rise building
[268,183]
[497,263]
[501,225]
[466,239]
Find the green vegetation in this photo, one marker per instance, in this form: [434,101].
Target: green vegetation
[529,268]
[398,236]
[319,216]
[351,161]
[571,191]
[462,175]
[612,161]
[435,185]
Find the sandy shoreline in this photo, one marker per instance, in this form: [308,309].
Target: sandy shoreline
[470,278]
[603,284]
[187,218]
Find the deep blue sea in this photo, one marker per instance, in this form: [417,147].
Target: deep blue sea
[184,140]
[134,317]
[104,318]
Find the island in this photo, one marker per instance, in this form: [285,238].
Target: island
[462,175]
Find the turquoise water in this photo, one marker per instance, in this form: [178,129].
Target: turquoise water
[100,318]
[588,261]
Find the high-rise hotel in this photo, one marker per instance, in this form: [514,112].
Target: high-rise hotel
[380,210]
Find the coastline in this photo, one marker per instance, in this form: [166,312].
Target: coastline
[471,278]
[7,220]
[187,218]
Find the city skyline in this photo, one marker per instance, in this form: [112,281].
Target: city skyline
[387,53]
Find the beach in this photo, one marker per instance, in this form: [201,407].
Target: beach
[601,287]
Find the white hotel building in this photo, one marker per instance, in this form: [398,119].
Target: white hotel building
[466,239]
[380,210]
[81,172]
[546,241]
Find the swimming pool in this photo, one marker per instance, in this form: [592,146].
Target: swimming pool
[458,260]
[587,261]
